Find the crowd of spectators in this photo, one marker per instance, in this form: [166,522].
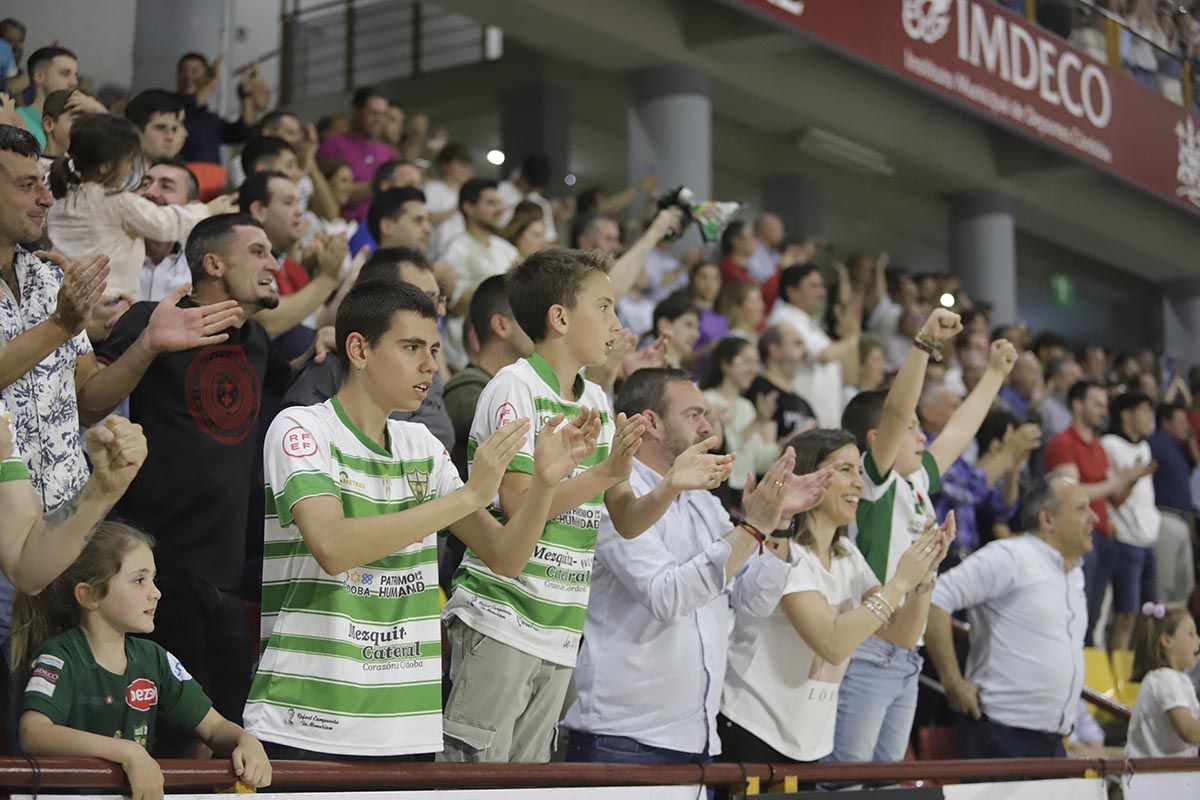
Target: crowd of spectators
[699,499]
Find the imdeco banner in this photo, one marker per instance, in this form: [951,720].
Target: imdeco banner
[997,64]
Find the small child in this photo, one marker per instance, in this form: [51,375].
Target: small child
[96,213]
[92,690]
[1166,719]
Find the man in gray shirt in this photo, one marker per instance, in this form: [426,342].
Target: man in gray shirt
[317,382]
[1028,613]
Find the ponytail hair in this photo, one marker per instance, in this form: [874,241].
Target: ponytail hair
[1153,624]
[96,140]
[41,617]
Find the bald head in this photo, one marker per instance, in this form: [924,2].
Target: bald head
[1027,374]
[1057,509]
[938,403]
[768,229]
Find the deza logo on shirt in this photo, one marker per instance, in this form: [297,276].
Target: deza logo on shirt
[142,694]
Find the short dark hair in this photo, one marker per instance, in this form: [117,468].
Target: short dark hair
[45,55]
[19,141]
[726,351]
[389,204]
[548,278]
[1126,401]
[490,299]
[732,231]
[363,94]
[862,415]
[535,169]
[1079,390]
[257,188]
[56,103]
[646,389]
[452,151]
[386,170]
[994,427]
[179,163]
[473,189]
[673,307]
[262,147]
[369,308]
[272,118]
[791,277]
[385,263]
[9,22]
[1165,412]
[212,235]
[191,56]
[145,105]
[1047,339]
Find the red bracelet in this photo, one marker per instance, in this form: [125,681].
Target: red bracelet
[920,345]
[758,535]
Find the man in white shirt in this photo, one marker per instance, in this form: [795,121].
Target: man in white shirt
[819,380]
[652,665]
[473,255]
[168,182]
[1134,514]
[1028,614]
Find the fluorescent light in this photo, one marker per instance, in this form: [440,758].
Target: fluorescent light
[947,300]
[831,147]
[495,157]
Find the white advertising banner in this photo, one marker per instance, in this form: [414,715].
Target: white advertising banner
[1161,785]
[564,793]
[1056,789]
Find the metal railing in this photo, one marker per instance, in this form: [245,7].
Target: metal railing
[1173,76]
[44,774]
[342,44]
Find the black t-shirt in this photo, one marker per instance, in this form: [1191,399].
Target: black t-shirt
[199,410]
[792,410]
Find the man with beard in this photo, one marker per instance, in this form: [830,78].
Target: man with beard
[474,255]
[650,672]
[199,408]
[361,147]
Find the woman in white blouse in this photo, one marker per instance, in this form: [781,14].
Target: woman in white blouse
[781,686]
[750,430]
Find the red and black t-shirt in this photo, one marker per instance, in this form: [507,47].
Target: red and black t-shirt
[199,409]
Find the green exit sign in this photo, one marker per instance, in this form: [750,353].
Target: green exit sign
[1062,289]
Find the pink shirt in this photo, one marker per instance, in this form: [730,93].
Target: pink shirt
[364,157]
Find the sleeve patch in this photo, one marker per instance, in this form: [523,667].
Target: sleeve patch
[177,668]
[297,442]
[505,414]
[40,685]
[50,661]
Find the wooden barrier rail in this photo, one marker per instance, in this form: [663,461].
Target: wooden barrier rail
[41,774]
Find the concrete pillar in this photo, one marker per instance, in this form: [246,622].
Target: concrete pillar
[670,128]
[1181,321]
[983,251]
[797,201]
[536,119]
[166,29]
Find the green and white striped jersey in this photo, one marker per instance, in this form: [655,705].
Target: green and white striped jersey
[893,512]
[541,612]
[351,663]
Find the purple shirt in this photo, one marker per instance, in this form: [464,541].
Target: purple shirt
[364,157]
[713,327]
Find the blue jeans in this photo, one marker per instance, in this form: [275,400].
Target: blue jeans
[602,749]
[1099,569]
[876,703]
[1134,577]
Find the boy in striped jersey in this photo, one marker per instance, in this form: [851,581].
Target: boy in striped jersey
[514,638]
[352,647]
[878,696]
